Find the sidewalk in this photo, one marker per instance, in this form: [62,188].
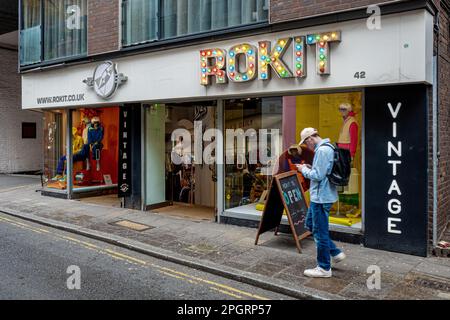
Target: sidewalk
[229,251]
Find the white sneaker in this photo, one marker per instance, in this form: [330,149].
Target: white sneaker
[339,258]
[317,272]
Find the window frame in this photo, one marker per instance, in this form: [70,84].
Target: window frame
[29,127]
[196,35]
[42,61]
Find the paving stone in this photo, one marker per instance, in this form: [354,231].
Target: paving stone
[396,266]
[433,269]
[226,253]
[330,285]
[291,278]
[408,292]
[358,286]
[428,282]
[265,269]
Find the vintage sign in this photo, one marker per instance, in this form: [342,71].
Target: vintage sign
[246,62]
[125,154]
[396,169]
[285,194]
[106,80]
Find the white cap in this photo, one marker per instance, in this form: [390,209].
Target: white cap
[306,133]
[95,119]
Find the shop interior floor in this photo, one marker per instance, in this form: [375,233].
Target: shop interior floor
[188,211]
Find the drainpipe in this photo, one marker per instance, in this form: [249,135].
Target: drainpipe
[435,132]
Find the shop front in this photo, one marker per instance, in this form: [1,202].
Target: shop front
[213,123]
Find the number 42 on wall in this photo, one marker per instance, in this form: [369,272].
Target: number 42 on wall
[360,75]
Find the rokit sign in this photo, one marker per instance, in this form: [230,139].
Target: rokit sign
[396,169]
[245,62]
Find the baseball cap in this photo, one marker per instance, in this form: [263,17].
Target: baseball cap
[306,133]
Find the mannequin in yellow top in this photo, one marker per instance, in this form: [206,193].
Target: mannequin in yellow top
[78,150]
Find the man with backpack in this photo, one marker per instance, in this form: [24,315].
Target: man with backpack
[329,165]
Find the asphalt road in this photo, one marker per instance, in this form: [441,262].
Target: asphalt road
[34,261]
[8,182]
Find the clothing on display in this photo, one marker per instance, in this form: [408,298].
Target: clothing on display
[348,136]
[95,138]
[79,153]
[288,160]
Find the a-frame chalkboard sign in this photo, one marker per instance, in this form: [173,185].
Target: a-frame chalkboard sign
[285,193]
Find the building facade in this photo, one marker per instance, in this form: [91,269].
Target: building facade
[21,130]
[187,105]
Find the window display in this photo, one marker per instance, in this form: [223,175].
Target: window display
[246,182]
[54,147]
[94,148]
[337,116]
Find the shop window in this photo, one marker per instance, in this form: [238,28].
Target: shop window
[63,26]
[336,116]
[95,147]
[247,180]
[54,147]
[28,130]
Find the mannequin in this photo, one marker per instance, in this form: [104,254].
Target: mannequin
[95,138]
[296,154]
[87,125]
[79,154]
[348,139]
[348,136]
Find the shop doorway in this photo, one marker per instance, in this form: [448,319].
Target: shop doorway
[184,189]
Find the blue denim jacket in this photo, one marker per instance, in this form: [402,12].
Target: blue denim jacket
[321,191]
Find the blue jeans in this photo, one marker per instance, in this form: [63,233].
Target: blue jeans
[317,223]
[80,156]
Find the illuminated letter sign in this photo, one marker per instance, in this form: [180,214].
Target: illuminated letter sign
[245,62]
[322,41]
[213,64]
[235,54]
[273,59]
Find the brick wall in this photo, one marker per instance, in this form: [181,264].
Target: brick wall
[284,10]
[444,119]
[442,42]
[103,26]
[17,154]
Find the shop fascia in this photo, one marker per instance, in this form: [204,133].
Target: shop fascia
[245,62]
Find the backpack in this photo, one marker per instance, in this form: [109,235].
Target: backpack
[340,174]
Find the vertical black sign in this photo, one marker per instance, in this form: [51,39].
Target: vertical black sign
[125,155]
[396,169]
